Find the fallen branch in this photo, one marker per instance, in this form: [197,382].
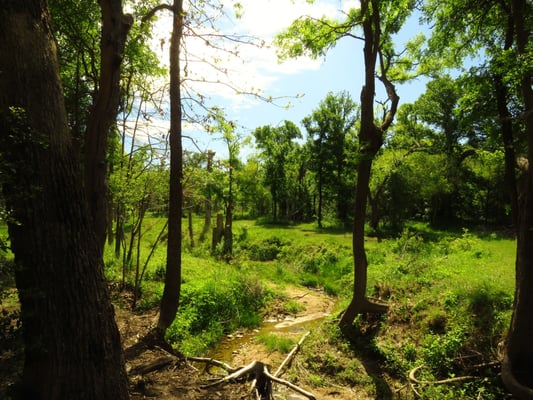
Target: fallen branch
[291,355]
[155,365]
[413,379]
[298,389]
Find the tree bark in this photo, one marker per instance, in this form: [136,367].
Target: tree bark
[171,292]
[517,369]
[370,141]
[72,344]
[115,28]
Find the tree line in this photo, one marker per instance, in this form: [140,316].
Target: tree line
[74,79]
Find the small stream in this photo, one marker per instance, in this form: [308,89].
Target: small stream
[292,327]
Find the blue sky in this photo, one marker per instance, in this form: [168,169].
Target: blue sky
[341,69]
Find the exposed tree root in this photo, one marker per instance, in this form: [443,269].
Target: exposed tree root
[212,361]
[155,365]
[262,379]
[512,384]
[261,387]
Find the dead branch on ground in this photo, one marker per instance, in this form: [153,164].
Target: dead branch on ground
[261,387]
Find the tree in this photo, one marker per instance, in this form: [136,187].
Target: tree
[329,128]
[277,144]
[503,30]
[171,292]
[438,108]
[72,344]
[378,20]
[517,369]
[104,110]
[253,196]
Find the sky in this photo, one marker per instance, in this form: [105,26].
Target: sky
[302,83]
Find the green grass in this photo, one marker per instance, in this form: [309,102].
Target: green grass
[275,342]
[449,294]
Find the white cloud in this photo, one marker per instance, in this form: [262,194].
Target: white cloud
[255,68]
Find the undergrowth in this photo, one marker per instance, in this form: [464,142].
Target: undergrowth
[449,297]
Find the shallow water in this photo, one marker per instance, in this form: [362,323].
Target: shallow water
[290,327]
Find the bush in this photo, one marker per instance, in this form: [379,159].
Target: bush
[267,249]
[211,309]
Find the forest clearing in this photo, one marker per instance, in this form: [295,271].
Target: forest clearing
[242,199]
[449,296]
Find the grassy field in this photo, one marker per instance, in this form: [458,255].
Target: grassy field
[450,298]
[449,293]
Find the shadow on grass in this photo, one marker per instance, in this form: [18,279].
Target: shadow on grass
[361,338]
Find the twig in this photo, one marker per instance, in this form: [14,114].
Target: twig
[413,378]
[300,296]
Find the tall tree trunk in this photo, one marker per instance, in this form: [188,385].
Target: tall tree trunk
[506,123]
[72,344]
[191,232]
[115,28]
[171,292]
[370,141]
[320,198]
[517,369]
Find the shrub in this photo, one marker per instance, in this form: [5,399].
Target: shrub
[211,309]
[266,250]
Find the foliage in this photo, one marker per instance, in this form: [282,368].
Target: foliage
[210,309]
[331,143]
[283,165]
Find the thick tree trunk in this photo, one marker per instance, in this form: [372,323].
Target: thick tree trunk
[517,369]
[359,303]
[171,292]
[72,345]
[115,28]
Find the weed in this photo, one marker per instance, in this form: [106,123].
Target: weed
[293,307]
[267,249]
[274,342]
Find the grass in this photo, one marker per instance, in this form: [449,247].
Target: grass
[275,342]
[449,294]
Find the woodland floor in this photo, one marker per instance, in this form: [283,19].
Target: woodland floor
[181,379]
[185,380]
